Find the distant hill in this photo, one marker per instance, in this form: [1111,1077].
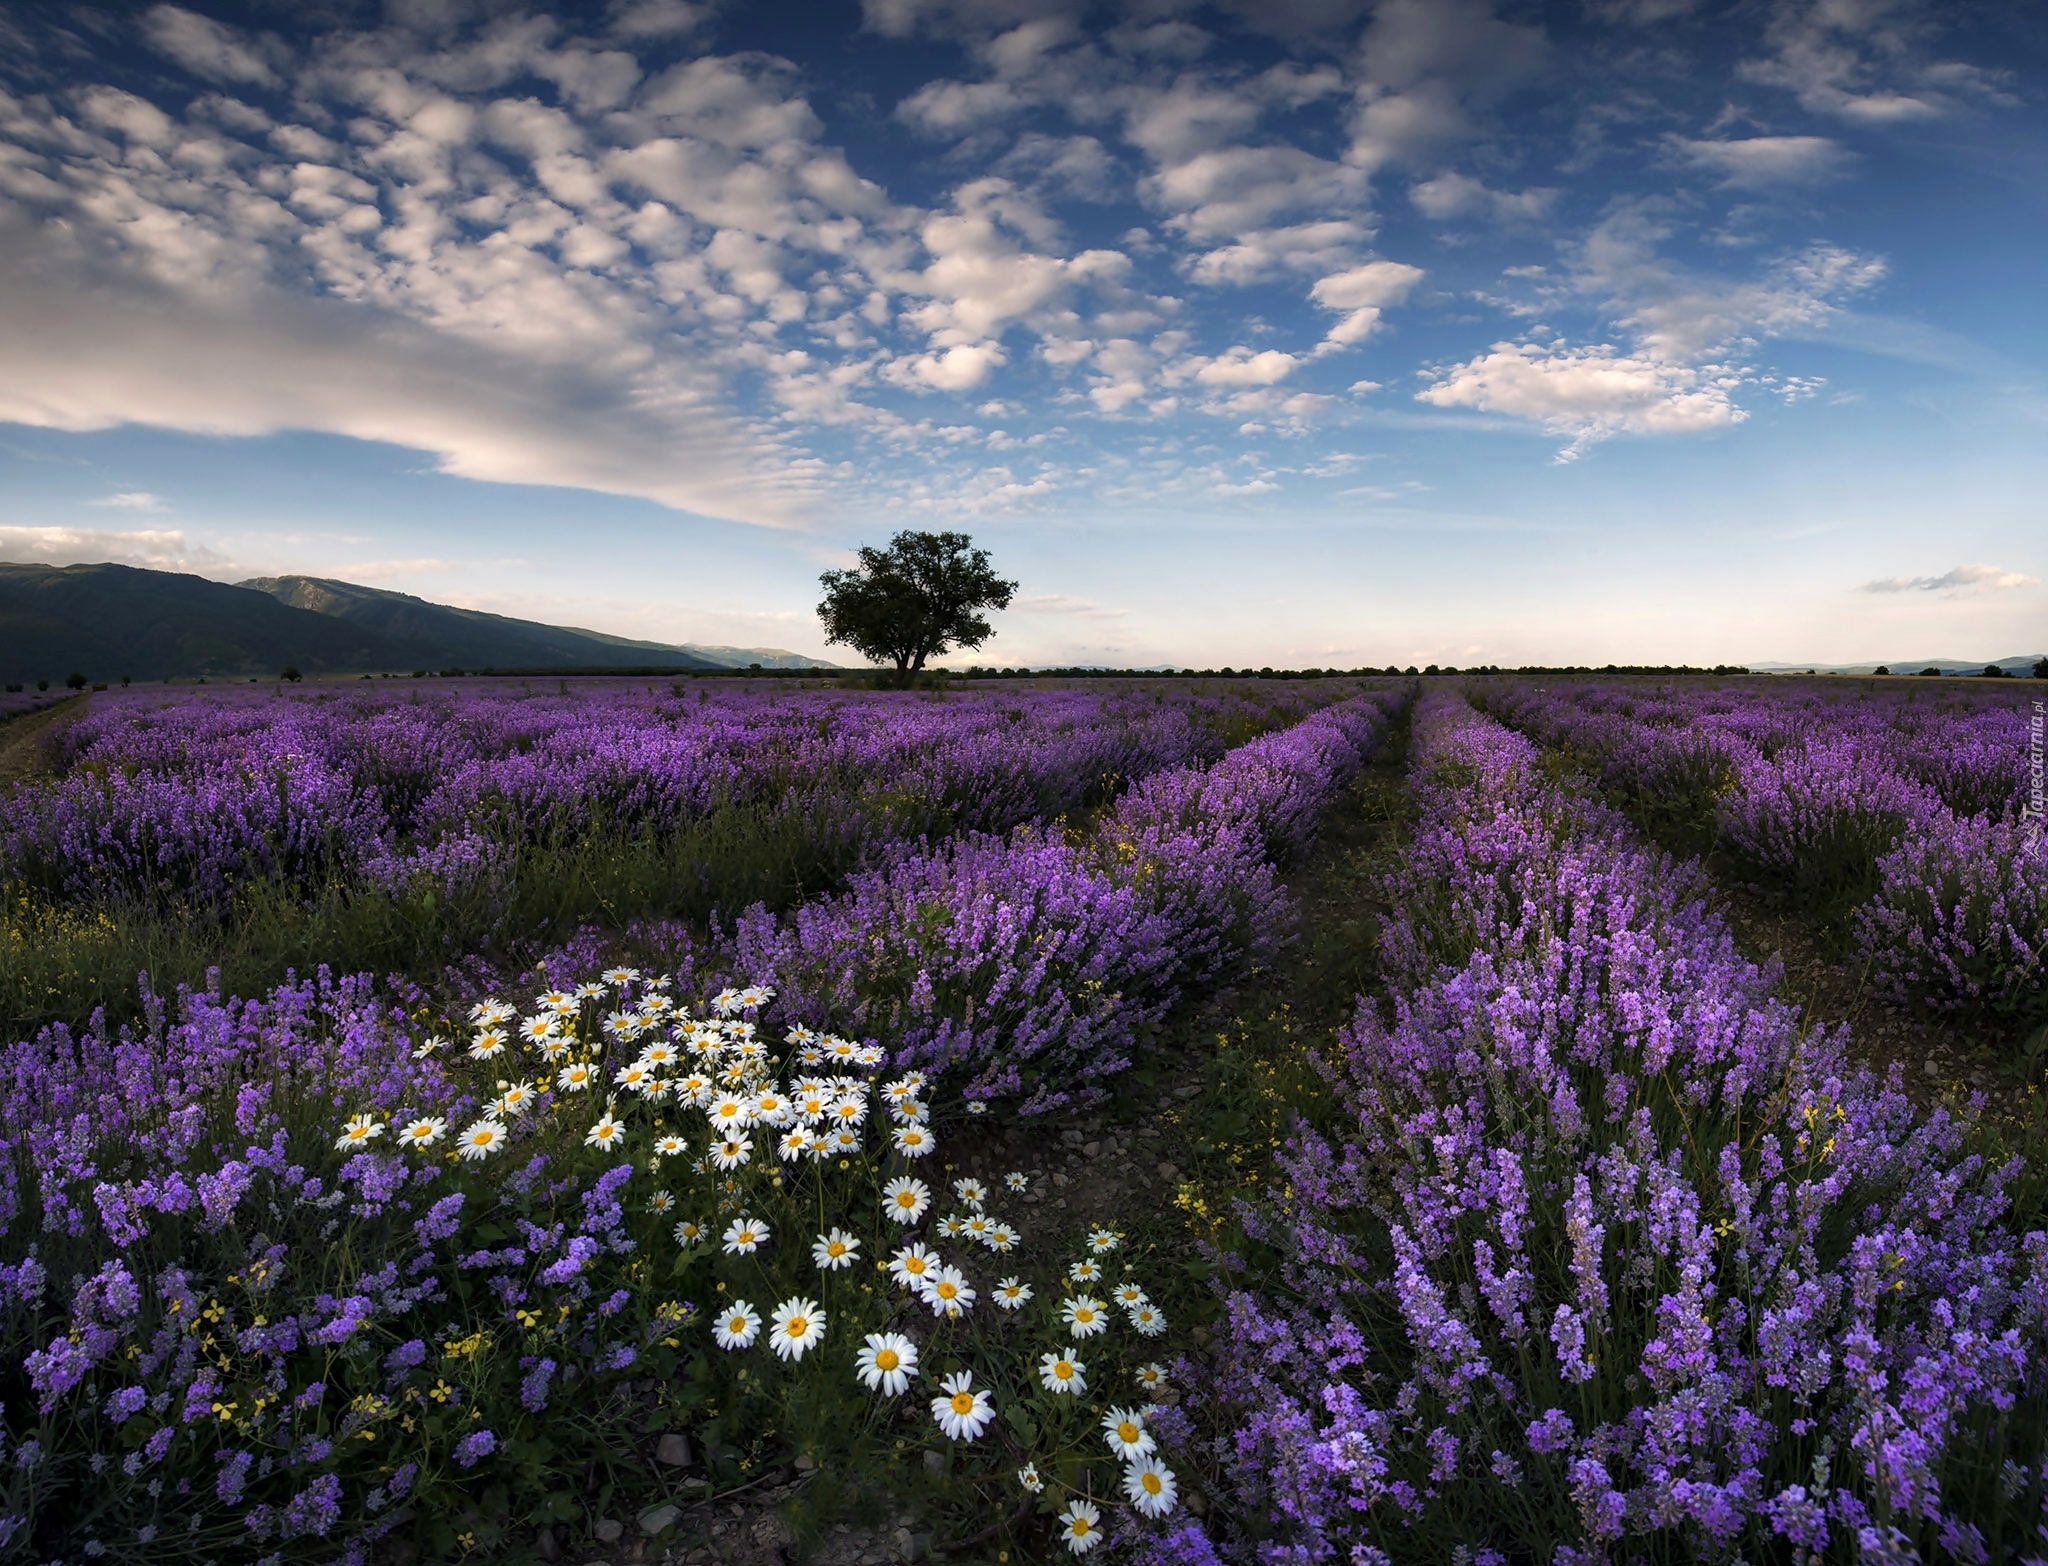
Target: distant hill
[107,621]
[473,639]
[2016,665]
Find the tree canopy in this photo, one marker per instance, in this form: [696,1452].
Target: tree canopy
[922,596]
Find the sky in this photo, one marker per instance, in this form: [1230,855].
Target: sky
[1287,332]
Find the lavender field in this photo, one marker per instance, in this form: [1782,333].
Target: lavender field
[1175,1121]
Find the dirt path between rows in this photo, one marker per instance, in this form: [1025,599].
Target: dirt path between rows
[22,753]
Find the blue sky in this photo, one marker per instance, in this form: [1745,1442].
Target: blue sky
[1269,331]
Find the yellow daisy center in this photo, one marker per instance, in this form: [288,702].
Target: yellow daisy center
[887,1360]
[1151,1482]
[1063,1370]
[798,1326]
[1081,1526]
[738,1324]
[835,1250]
[1127,1432]
[963,1402]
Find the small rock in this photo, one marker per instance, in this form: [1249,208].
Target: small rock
[1059,1178]
[804,1463]
[1932,1068]
[1187,1092]
[1071,1137]
[920,1547]
[673,1449]
[935,1461]
[546,1545]
[1092,1150]
[1168,1170]
[659,1518]
[609,1530]
[1196,1502]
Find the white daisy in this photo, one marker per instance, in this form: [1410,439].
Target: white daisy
[743,1235]
[886,1363]
[689,1232]
[1028,1477]
[481,1138]
[798,1324]
[1151,1377]
[575,1079]
[914,1141]
[1001,1237]
[517,1098]
[971,1192]
[1084,1316]
[360,1132]
[1103,1241]
[1012,1295]
[1080,1526]
[488,1044]
[961,1411]
[730,1113]
[1124,1430]
[1149,1320]
[636,1079]
[1085,1271]
[1062,1374]
[669,1146]
[732,1152]
[1017,1181]
[835,1251]
[737,1327]
[1128,1295]
[913,1265]
[424,1132]
[906,1200]
[947,1292]
[607,1134]
[1149,1484]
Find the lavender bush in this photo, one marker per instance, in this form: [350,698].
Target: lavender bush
[1959,923]
[1899,816]
[1618,1259]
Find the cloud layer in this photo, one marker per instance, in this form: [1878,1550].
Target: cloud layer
[644,251]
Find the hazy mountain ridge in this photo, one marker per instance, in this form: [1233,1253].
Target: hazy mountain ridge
[2019,664]
[112,621]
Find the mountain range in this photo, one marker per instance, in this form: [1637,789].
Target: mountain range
[2020,665]
[108,622]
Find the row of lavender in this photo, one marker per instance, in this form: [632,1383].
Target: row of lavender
[203,1318]
[1909,814]
[179,798]
[1616,1259]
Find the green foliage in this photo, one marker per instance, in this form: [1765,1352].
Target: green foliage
[920,597]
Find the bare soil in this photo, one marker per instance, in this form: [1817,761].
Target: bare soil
[23,749]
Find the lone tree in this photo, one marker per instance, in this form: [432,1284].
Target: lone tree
[920,597]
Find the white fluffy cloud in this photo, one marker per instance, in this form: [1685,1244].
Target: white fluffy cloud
[209,49]
[165,549]
[1454,195]
[1951,583]
[1588,393]
[1362,293]
[1761,162]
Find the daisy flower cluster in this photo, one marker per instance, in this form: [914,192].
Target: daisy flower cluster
[749,1136]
